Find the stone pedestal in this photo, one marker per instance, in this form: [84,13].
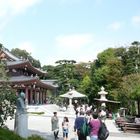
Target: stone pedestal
[21,125]
[70,108]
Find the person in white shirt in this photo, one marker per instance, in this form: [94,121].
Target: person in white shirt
[65,128]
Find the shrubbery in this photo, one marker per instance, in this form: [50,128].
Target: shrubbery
[6,134]
[7,96]
[35,137]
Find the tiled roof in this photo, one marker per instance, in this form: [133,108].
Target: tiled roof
[50,82]
[10,55]
[22,63]
[31,80]
[11,63]
[21,78]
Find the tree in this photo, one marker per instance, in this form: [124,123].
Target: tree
[25,55]
[107,71]
[130,92]
[50,71]
[85,85]
[7,96]
[131,58]
[65,73]
[106,55]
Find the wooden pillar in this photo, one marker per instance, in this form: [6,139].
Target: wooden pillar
[31,96]
[42,96]
[37,97]
[45,96]
[34,96]
[26,95]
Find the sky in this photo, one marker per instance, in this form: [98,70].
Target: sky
[77,30]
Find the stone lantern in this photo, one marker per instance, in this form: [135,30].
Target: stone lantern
[103,94]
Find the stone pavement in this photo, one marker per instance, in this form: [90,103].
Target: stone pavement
[41,125]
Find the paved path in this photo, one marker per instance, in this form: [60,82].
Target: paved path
[41,125]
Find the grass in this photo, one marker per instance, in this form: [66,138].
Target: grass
[36,113]
[6,134]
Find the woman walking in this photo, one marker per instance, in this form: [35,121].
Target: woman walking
[95,126]
[65,128]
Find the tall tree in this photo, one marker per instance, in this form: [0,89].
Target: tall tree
[107,72]
[130,92]
[65,71]
[50,70]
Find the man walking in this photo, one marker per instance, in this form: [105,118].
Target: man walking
[79,121]
[55,125]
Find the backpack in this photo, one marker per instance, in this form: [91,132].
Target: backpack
[85,129]
[103,132]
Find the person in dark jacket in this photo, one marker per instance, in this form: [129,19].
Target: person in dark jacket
[79,121]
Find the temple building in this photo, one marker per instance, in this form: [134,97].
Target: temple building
[23,76]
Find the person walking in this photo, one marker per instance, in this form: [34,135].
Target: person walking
[94,124]
[55,125]
[79,121]
[65,128]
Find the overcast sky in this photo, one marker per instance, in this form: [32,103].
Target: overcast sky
[53,30]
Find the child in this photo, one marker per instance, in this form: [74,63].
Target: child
[65,128]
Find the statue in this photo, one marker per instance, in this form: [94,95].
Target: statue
[21,116]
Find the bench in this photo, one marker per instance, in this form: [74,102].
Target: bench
[120,121]
[131,127]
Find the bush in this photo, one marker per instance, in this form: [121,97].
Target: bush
[36,113]
[6,134]
[7,96]
[35,137]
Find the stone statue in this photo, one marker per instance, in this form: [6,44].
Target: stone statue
[21,116]
[21,103]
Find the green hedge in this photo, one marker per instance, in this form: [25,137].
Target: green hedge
[35,137]
[6,134]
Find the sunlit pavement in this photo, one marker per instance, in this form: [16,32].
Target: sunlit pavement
[41,125]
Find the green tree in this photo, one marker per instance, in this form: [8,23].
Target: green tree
[50,70]
[82,69]
[130,92]
[131,59]
[7,96]
[85,86]
[104,56]
[107,71]
[65,72]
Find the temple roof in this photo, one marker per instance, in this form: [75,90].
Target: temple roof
[25,64]
[15,62]
[51,82]
[26,80]
[10,55]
